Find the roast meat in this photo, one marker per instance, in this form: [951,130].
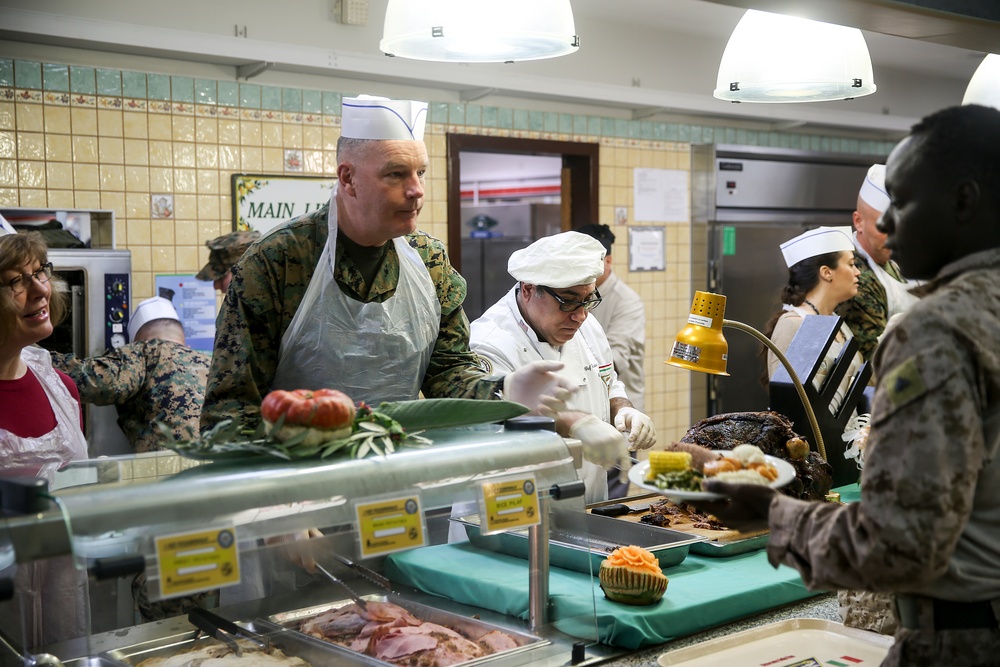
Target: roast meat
[771,432]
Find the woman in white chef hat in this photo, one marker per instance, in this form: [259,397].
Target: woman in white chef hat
[821,275]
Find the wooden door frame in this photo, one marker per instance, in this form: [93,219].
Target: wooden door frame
[580,159]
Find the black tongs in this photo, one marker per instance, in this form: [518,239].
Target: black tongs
[224,630]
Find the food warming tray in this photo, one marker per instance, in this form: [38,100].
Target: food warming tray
[579,541]
[313,651]
[719,544]
[471,628]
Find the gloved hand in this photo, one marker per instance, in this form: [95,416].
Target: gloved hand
[603,445]
[296,548]
[527,384]
[551,406]
[641,434]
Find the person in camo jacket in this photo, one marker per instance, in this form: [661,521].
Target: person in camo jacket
[927,527]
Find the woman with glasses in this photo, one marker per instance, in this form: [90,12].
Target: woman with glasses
[40,424]
[545,316]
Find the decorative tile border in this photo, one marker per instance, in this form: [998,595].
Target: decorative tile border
[58,84]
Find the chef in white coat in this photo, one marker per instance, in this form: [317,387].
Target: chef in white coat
[545,317]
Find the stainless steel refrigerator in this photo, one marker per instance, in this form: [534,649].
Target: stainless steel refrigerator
[752,200]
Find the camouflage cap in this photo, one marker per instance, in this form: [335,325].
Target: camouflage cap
[224,252]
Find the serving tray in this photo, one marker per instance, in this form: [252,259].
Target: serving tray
[579,541]
[715,543]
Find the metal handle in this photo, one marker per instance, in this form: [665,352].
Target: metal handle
[367,573]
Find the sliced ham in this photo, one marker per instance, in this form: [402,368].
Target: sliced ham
[496,641]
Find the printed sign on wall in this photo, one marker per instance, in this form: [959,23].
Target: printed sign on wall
[261,202]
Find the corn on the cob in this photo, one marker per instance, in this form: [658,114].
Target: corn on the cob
[663,462]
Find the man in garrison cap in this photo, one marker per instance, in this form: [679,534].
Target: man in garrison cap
[223,253]
[882,290]
[545,316]
[352,296]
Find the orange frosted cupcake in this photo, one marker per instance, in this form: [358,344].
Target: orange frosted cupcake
[632,575]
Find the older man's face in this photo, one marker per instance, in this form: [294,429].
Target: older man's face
[542,311]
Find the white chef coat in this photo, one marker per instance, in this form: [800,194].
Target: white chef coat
[623,318]
[505,341]
[897,294]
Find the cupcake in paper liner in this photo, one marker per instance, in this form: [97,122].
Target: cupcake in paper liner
[631,575]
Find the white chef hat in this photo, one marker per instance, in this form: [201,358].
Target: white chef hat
[817,241]
[873,189]
[6,227]
[156,308]
[562,260]
[368,117]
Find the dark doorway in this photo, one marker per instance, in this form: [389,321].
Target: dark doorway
[579,186]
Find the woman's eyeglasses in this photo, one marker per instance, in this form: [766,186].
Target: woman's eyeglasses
[569,306]
[20,283]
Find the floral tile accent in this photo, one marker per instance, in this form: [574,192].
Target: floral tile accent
[271,115]
[109,102]
[160,106]
[228,112]
[293,159]
[7,94]
[331,121]
[206,110]
[57,99]
[131,104]
[184,108]
[161,206]
[250,114]
[291,117]
[312,119]
[29,96]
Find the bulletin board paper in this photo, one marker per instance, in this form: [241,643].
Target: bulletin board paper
[647,249]
[194,301]
[661,195]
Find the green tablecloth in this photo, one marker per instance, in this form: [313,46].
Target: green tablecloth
[702,593]
[850,493]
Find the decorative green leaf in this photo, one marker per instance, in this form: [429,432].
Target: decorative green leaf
[432,413]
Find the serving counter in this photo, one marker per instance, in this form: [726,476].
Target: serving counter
[122,515]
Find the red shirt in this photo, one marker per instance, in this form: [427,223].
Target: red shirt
[24,406]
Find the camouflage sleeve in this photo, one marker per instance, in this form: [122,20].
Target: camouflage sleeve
[925,451]
[867,313]
[453,371]
[268,285]
[112,378]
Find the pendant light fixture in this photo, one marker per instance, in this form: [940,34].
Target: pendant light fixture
[984,86]
[479,31]
[777,58]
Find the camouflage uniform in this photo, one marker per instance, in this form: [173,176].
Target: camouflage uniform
[867,313]
[270,282]
[149,381]
[928,523]
[224,252]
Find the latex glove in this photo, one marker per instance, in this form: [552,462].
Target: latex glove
[641,434]
[551,406]
[527,384]
[296,548]
[603,445]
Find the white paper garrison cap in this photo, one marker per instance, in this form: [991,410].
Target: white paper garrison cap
[156,308]
[873,189]
[559,261]
[368,117]
[817,241]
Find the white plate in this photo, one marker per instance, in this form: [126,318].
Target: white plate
[637,475]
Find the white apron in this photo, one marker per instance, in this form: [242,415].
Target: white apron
[373,352]
[897,294]
[52,592]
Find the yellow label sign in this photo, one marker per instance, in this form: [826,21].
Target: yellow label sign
[511,503]
[390,525]
[199,561]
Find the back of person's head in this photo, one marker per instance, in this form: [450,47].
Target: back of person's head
[962,142]
[16,251]
[164,328]
[602,233]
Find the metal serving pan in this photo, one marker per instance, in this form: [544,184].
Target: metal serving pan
[471,628]
[313,651]
[719,545]
[580,541]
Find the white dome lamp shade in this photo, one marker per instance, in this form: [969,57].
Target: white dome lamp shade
[984,86]
[777,58]
[479,31]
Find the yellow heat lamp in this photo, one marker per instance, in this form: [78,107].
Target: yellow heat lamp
[700,346]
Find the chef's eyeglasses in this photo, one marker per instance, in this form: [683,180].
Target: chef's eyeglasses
[570,306]
[20,283]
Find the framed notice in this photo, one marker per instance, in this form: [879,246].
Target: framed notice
[261,201]
[647,249]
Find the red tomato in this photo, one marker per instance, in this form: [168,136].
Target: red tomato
[322,408]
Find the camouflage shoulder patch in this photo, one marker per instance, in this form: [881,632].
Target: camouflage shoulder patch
[904,383]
